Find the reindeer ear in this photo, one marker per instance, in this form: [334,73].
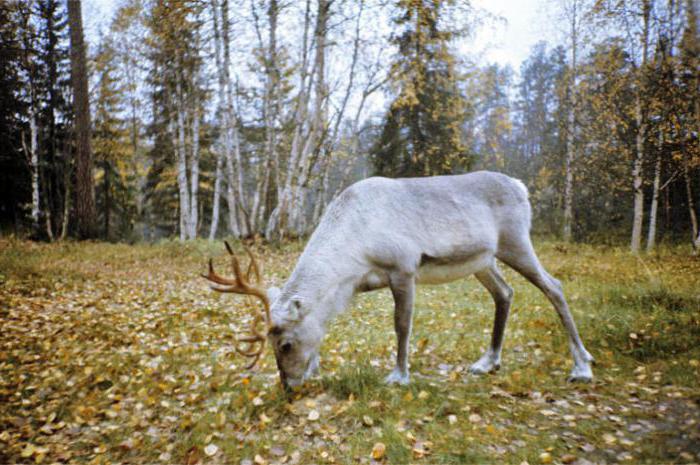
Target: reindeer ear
[273,293]
[294,310]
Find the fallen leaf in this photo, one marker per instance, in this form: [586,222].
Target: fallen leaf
[211,450]
[314,415]
[378,451]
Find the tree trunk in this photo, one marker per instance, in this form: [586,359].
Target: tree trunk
[651,238]
[85,190]
[34,166]
[232,123]
[224,108]
[323,200]
[278,221]
[217,196]
[571,128]
[182,163]
[691,206]
[640,110]
[107,199]
[270,112]
[194,172]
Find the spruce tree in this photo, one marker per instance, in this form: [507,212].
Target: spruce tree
[422,134]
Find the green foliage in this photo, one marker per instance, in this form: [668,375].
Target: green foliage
[422,134]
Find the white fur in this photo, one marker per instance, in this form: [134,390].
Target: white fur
[398,232]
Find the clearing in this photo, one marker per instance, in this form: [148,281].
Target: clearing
[118,353]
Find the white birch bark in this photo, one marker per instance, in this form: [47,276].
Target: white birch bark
[218,178]
[322,199]
[571,129]
[194,172]
[651,237]
[236,172]
[227,149]
[182,163]
[637,171]
[270,110]
[278,221]
[34,164]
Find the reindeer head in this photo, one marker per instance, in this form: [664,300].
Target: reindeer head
[294,338]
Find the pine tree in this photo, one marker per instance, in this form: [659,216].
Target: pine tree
[422,131]
[110,144]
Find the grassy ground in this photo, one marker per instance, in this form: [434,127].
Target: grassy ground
[116,353]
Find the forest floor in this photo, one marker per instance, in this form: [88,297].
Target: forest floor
[118,353]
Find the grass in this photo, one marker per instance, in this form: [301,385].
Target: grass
[117,353]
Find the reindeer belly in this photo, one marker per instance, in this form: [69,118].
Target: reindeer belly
[443,270]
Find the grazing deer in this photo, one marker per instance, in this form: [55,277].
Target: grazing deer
[397,233]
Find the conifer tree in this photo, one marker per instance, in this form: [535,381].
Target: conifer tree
[422,130]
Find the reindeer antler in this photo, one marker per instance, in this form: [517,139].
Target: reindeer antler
[240,284]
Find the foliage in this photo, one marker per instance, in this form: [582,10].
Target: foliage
[421,134]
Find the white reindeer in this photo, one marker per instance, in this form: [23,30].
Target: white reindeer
[397,233]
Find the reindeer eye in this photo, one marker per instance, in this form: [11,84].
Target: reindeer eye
[286,347]
[276,330]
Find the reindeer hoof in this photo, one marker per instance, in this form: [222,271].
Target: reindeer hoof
[484,366]
[581,375]
[397,377]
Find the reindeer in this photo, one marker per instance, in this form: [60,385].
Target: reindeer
[397,233]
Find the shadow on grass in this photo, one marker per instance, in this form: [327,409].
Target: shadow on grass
[646,322]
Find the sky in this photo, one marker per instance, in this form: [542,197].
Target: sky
[510,41]
[506,42]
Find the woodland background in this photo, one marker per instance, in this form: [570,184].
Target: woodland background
[247,117]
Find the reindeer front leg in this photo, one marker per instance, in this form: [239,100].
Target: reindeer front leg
[402,288]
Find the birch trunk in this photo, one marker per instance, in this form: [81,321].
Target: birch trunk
[194,173]
[34,165]
[182,164]
[230,175]
[217,196]
[270,110]
[32,151]
[651,237]
[319,119]
[571,128]
[277,222]
[236,178]
[637,171]
[322,200]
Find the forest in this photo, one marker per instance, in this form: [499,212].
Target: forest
[223,118]
[142,140]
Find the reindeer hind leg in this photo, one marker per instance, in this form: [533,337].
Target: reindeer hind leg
[518,253]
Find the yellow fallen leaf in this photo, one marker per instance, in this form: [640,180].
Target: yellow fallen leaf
[546,457]
[423,395]
[367,420]
[378,451]
[28,451]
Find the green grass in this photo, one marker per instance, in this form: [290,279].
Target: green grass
[118,353]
